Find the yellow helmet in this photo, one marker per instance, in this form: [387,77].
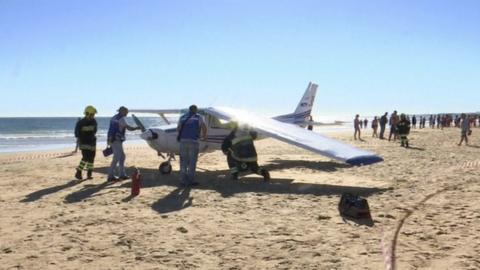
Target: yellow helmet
[90,110]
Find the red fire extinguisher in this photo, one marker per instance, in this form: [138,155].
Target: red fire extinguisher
[136,177]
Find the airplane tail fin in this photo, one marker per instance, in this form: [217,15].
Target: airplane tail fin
[304,108]
[306,103]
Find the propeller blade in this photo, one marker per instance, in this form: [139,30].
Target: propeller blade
[138,122]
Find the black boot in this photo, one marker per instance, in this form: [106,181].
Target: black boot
[234,176]
[266,175]
[78,174]
[89,174]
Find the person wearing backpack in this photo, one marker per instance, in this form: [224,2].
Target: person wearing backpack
[191,127]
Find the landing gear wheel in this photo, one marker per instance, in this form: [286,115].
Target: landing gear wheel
[165,168]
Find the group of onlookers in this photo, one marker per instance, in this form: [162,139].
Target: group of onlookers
[400,125]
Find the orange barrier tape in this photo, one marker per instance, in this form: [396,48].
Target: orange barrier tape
[389,252]
[53,155]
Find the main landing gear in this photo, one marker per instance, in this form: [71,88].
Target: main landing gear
[166,166]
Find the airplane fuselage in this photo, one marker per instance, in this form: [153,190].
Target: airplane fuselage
[165,140]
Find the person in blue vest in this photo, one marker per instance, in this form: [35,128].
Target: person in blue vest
[116,137]
[191,127]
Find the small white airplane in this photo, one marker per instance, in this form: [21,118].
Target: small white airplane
[289,128]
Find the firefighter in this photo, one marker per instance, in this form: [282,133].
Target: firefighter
[241,153]
[403,128]
[85,131]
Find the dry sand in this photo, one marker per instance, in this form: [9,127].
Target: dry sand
[50,221]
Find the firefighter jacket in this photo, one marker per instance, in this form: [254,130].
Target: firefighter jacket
[85,131]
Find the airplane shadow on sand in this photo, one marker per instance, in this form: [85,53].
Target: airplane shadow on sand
[220,182]
[327,166]
[217,180]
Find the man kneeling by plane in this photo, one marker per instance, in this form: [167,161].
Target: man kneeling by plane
[241,153]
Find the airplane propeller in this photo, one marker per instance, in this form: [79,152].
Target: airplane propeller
[138,123]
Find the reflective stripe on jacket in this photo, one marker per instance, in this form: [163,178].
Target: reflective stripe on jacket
[87,147]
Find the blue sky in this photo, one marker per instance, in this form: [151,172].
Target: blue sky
[367,56]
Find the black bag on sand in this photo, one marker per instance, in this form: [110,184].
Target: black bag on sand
[353,206]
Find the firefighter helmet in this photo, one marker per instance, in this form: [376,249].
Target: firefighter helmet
[90,110]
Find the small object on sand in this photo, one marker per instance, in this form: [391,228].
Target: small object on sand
[136,178]
[353,206]
[182,230]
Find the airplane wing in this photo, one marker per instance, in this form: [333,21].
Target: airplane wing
[173,111]
[336,123]
[297,136]
[162,113]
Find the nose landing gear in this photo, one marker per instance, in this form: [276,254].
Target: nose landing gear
[166,166]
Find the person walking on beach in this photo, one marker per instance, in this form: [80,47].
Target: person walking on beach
[310,123]
[365,123]
[403,127]
[85,132]
[465,129]
[191,127]
[393,126]
[116,137]
[414,121]
[383,124]
[375,127]
[357,125]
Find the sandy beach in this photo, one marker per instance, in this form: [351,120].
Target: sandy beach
[51,221]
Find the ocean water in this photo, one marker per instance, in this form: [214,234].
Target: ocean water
[49,133]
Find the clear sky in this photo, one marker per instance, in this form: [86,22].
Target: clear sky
[366,56]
